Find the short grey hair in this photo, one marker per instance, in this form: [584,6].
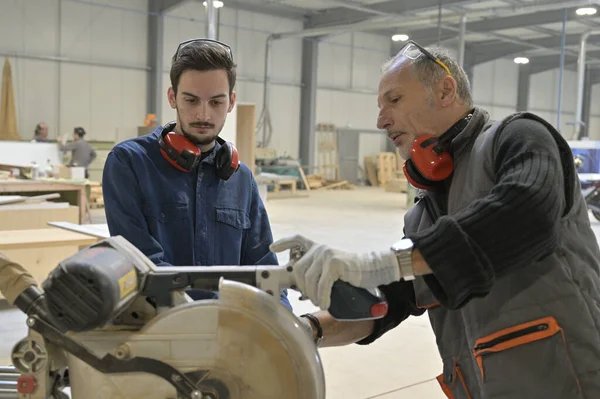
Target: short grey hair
[429,72]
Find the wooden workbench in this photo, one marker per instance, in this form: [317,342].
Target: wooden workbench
[75,194]
[40,250]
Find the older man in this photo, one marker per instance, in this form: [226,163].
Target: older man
[498,248]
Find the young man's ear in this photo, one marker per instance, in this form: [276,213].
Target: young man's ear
[232,100]
[171,97]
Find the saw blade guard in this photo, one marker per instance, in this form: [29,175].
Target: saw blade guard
[245,345]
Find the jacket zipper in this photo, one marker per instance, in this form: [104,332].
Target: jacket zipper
[512,335]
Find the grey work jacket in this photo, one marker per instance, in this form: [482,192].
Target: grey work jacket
[537,333]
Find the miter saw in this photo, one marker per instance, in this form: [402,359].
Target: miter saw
[110,324]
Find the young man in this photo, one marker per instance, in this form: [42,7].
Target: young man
[177,194]
[498,250]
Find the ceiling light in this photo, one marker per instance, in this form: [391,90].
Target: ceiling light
[216,4]
[521,60]
[586,11]
[400,38]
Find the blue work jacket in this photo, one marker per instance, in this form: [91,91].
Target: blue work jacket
[184,219]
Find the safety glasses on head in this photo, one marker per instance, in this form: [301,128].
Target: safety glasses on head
[183,44]
[413,50]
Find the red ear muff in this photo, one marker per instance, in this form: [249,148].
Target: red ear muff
[228,159]
[414,177]
[431,159]
[429,163]
[177,149]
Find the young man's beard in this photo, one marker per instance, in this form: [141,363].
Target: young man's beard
[205,140]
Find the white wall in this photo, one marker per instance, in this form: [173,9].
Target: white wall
[108,101]
[495,86]
[348,74]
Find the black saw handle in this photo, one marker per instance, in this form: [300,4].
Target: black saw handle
[349,302]
[352,303]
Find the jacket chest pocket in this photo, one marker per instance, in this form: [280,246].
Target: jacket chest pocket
[529,360]
[231,224]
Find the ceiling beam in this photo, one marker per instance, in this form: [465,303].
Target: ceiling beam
[546,62]
[520,21]
[489,51]
[343,15]
[276,10]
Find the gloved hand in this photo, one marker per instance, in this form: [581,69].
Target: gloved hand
[321,266]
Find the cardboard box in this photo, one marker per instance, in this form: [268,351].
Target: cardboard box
[65,172]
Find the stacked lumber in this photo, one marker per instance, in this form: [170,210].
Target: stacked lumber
[385,170]
[320,182]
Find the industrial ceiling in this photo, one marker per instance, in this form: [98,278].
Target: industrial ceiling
[494,28]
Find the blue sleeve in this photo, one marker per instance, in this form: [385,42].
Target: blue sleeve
[256,243]
[123,202]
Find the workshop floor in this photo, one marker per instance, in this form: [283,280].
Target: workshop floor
[402,364]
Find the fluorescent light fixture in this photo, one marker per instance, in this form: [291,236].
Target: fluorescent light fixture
[521,60]
[400,38]
[586,11]
[216,4]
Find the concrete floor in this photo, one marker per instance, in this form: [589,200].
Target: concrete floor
[402,364]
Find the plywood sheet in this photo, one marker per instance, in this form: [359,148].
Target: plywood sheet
[27,217]
[42,238]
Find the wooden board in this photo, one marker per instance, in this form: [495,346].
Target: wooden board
[42,238]
[245,137]
[95,230]
[27,217]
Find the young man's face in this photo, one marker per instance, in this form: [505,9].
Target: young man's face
[202,103]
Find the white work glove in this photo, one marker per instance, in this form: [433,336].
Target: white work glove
[321,266]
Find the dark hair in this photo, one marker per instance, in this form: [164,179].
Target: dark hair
[202,56]
[38,129]
[79,131]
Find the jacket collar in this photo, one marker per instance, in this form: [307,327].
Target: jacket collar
[465,139]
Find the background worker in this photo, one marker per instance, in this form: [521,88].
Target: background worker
[499,249]
[180,194]
[82,153]
[41,133]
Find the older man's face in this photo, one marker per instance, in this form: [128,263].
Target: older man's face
[406,107]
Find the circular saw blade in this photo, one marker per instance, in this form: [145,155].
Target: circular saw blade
[245,345]
[263,349]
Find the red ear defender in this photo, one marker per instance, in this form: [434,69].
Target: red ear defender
[429,163]
[178,150]
[184,155]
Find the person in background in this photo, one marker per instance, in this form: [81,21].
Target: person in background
[82,153]
[179,194]
[498,249]
[41,133]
